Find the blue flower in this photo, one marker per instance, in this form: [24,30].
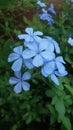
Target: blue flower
[41,4]
[45,16]
[30,36]
[51,9]
[20,81]
[17,57]
[38,52]
[70,41]
[54,68]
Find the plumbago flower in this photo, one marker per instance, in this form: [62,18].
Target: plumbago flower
[45,15]
[54,68]
[20,81]
[19,62]
[17,57]
[30,36]
[36,52]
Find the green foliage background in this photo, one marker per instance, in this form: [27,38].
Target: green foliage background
[45,105]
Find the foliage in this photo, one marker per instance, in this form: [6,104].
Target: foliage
[45,105]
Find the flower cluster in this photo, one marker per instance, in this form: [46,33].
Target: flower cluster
[46,14]
[37,51]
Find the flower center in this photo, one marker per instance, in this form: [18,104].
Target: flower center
[38,52]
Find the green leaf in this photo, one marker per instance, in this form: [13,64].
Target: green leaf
[59,106]
[29,118]
[66,123]
[53,116]
[50,93]
[70,89]
[6,3]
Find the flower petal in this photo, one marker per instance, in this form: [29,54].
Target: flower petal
[54,79]
[57,48]
[32,45]
[13,80]
[49,67]
[21,36]
[37,38]
[12,57]
[59,74]
[28,38]
[41,4]
[18,88]
[25,86]
[17,65]
[37,61]
[18,49]
[28,63]
[44,73]
[60,59]
[17,74]
[70,41]
[38,33]
[26,76]
[48,55]
[51,9]
[43,44]
[29,30]
[60,67]
[27,54]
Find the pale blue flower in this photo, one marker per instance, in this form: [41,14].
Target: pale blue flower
[16,56]
[19,62]
[41,4]
[30,36]
[51,9]
[20,81]
[54,68]
[38,52]
[70,41]
[47,17]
